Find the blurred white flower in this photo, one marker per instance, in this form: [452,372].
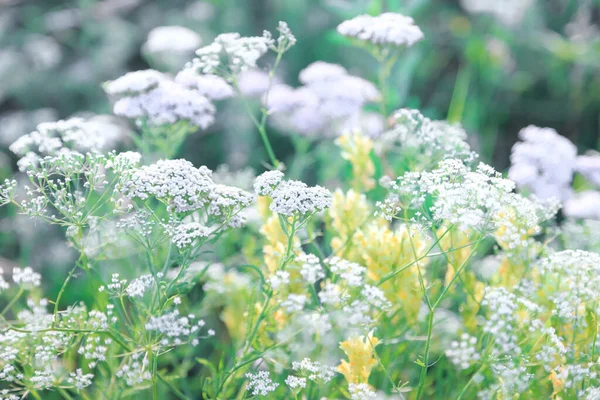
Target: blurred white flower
[509,12]
[543,162]
[171,39]
[384,29]
[589,167]
[583,205]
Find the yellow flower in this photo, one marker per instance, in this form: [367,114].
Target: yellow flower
[383,251]
[360,358]
[348,212]
[357,149]
[276,244]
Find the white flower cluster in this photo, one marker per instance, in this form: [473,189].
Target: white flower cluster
[226,202]
[134,83]
[427,140]
[351,272]
[361,391]
[265,183]
[310,268]
[510,379]
[174,329]
[171,39]
[212,86]
[94,349]
[295,383]
[138,286]
[314,370]
[575,276]
[260,384]
[480,200]
[463,353]
[387,29]
[279,279]
[543,162]
[294,303]
[80,380]
[57,138]
[135,370]
[186,234]
[26,277]
[231,53]
[292,198]
[504,319]
[177,183]
[154,98]
[168,104]
[327,103]
[589,166]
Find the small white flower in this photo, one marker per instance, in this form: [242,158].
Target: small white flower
[384,29]
[260,384]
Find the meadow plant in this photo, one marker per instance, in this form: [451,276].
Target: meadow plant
[420,274]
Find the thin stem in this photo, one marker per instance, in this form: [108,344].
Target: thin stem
[60,293]
[12,301]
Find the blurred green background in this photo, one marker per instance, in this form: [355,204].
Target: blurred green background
[496,66]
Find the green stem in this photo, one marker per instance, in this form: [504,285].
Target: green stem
[60,294]
[12,301]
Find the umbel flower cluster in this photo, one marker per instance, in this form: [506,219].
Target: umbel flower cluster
[407,270]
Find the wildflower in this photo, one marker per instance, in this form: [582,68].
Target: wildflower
[26,277]
[135,83]
[463,353]
[376,297]
[589,166]
[134,371]
[310,268]
[138,287]
[543,162]
[314,370]
[360,391]
[296,198]
[352,273]
[295,383]
[357,150]
[329,98]
[240,53]
[174,329]
[265,183]
[171,39]
[184,235]
[167,103]
[79,379]
[294,303]
[384,29]
[55,139]
[280,278]
[3,284]
[209,85]
[510,13]
[175,182]
[260,384]
[583,205]
[426,141]
[360,358]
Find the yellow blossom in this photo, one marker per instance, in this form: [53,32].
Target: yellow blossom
[361,361]
[356,148]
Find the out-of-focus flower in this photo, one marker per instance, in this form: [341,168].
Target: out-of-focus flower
[583,205]
[384,29]
[589,166]
[171,39]
[329,98]
[509,12]
[170,46]
[543,162]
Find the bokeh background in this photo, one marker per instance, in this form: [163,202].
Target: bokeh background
[495,66]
